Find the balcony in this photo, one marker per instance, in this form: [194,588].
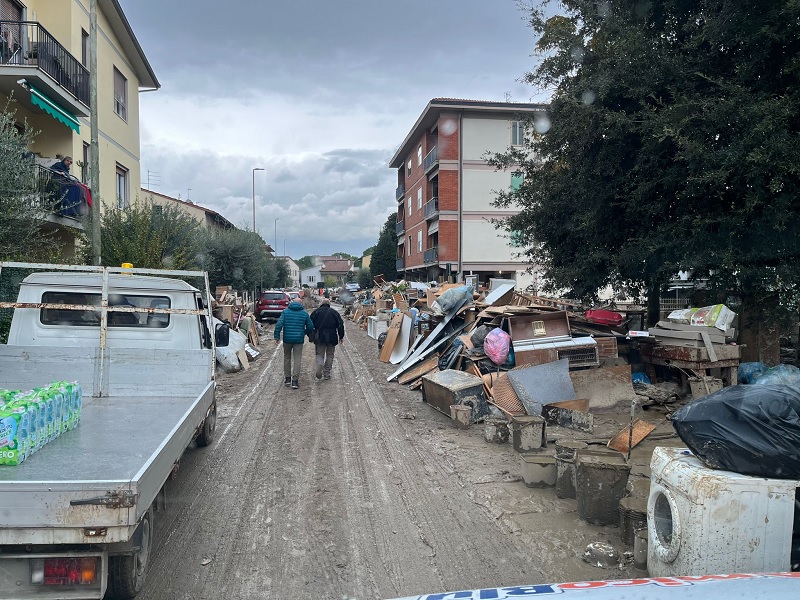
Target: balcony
[431,159]
[399,264]
[431,208]
[400,192]
[28,51]
[400,228]
[61,198]
[431,256]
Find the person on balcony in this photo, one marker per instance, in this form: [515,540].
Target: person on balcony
[68,191]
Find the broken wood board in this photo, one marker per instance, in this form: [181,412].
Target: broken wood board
[572,414]
[391,337]
[605,387]
[421,369]
[243,359]
[400,302]
[641,429]
[728,333]
[505,398]
[715,335]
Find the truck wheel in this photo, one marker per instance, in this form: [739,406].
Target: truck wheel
[209,427]
[126,573]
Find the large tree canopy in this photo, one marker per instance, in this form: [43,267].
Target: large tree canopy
[671,143]
[24,207]
[384,258]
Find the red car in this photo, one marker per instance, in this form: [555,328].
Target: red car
[271,304]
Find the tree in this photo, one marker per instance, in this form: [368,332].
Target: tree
[305,262]
[240,259]
[364,279]
[384,259]
[147,235]
[673,146]
[23,206]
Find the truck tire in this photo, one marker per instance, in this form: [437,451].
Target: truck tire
[126,573]
[209,429]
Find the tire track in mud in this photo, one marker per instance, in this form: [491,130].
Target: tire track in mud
[201,500]
[437,502]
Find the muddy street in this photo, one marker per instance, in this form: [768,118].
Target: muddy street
[353,488]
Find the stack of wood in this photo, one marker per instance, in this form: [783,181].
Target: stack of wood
[667,333]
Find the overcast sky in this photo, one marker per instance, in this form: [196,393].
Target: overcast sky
[319,93]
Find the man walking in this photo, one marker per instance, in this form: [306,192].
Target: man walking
[329,332]
[295,324]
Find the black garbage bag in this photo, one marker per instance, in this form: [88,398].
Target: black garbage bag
[747,429]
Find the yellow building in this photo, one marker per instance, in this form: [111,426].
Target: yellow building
[210,219]
[44,69]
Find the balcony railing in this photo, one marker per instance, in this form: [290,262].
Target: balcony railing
[27,43]
[59,195]
[400,192]
[399,264]
[431,256]
[400,227]
[432,208]
[431,159]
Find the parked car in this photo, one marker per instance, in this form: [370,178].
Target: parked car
[271,304]
[352,287]
[295,296]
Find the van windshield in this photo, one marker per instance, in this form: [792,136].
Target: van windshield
[91,317]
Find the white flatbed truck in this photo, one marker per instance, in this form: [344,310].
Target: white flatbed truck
[76,517]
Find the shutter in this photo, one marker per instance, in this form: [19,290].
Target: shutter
[11,35]
[10,11]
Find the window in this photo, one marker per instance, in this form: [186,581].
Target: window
[516,239]
[419,199]
[410,241]
[84,48]
[408,167]
[517,133]
[123,199]
[419,241]
[516,180]
[419,156]
[89,318]
[120,94]
[410,206]
[87,163]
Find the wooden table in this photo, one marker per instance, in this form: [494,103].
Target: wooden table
[695,359]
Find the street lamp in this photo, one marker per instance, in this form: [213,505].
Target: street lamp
[276,235]
[254,196]
[255,291]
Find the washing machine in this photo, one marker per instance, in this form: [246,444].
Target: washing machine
[705,521]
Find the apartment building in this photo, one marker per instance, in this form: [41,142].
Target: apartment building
[445,190]
[44,71]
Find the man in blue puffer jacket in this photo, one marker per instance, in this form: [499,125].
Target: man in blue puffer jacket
[296,325]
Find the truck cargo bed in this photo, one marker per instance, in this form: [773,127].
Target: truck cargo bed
[124,445]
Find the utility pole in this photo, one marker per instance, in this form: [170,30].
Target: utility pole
[94,151]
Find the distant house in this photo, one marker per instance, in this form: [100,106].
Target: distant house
[311,276]
[294,270]
[335,268]
[365,261]
[210,219]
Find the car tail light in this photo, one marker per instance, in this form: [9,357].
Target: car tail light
[64,571]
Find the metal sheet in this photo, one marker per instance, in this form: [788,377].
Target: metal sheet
[542,384]
[400,349]
[497,294]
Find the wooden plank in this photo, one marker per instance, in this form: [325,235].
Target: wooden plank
[718,337]
[391,337]
[242,355]
[712,355]
[421,369]
[641,429]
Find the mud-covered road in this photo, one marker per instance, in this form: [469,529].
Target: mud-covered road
[353,488]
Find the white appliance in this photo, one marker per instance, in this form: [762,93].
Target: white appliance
[703,521]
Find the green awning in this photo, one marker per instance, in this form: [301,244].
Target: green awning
[53,109]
